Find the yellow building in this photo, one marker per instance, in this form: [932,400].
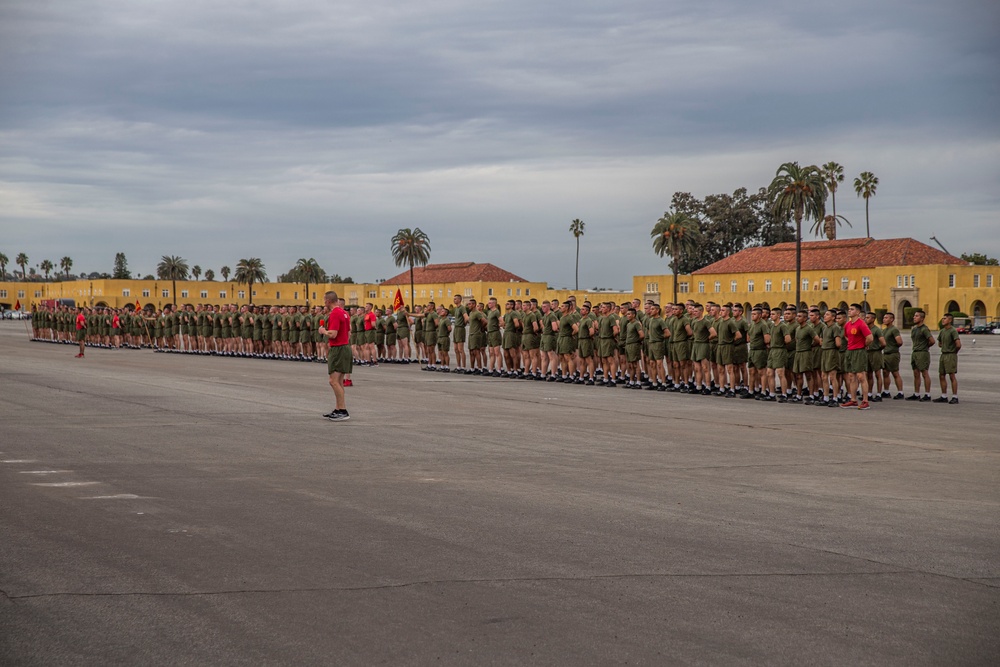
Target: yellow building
[890,274]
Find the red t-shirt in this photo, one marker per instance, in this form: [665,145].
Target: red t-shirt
[340,322]
[369,321]
[856,333]
[81,321]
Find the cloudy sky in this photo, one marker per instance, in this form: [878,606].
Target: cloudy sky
[317,128]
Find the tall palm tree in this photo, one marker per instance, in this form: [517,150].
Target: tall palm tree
[833,176]
[172,268]
[4,261]
[576,227]
[674,234]
[798,192]
[22,261]
[47,267]
[307,271]
[411,247]
[66,263]
[225,271]
[209,275]
[196,271]
[865,185]
[248,272]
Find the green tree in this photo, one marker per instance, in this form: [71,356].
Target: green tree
[979,258]
[250,271]
[196,271]
[4,261]
[674,234]
[120,271]
[307,271]
[210,275]
[798,193]
[22,261]
[865,185]
[225,271]
[412,248]
[172,268]
[833,176]
[66,263]
[47,267]
[576,227]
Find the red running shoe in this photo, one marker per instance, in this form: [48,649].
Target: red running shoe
[864,406]
[849,404]
[79,356]
[348,383]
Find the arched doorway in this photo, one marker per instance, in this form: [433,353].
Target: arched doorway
[978,312]
[905,319]
[952,307]
[842,306]
[823,307]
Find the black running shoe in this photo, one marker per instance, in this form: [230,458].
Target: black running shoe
[953,401]
[339,416]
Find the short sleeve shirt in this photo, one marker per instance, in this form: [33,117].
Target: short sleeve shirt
[340,322]
[856,333]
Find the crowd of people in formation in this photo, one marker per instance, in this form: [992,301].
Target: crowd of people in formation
[833,359]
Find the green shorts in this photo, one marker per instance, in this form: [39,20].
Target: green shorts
[338,359]
[458,334]
[757,359]
[856,361]
[699,351]
[680,350]
[293,336]
[724,355]
[443,343]
[585,346]
[606,348]
[403,333]
[656,350]
[948,363]
[547,344]
[369,337]
[920,361]
[81,334]
[803,362]
[565,345]
[390,340]
[509,340]
[830,361]
[477,341]
[632,351]
[493,338]
[890,362]
[740,354]
[875,360]
[529,341]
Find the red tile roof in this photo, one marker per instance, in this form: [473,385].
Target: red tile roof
[459,272]
[833,255]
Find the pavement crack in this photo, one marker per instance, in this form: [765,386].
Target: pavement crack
[438,582]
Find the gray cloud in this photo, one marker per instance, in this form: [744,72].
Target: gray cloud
[236,129]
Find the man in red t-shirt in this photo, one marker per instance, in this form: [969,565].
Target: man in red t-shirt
[337,330]
[370,319]
[859,336]
[81,330]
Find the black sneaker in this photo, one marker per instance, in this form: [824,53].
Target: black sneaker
[339,416]
[912,397]
[899,397]
[925,398]
[940,399]
[953,401]
[330,414]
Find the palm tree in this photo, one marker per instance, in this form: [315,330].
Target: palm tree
[250,271]
[576,227]
[828,226]
[411,247]
[674,234]
[307,271]
[196,271]
[172,268]
[47,267]
[225,271]
[865,185]
[833,175]
[66,263]
[4,261]
[798,192]
[210,275]
[22,261]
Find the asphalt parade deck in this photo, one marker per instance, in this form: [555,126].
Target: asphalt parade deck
[172,509]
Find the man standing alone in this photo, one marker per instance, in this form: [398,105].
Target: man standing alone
[337,331]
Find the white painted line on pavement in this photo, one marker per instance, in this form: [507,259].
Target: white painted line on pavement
[119,496]
[67,484]
[42,472]
[20,461]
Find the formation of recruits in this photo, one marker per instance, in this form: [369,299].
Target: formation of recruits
[833,358]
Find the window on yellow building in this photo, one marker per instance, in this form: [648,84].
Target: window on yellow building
[951,280]
[222,295]
[866,283]
[975,280]
[989,280]
[241,294]
[125,292]
[165,293]
[749,285]
[718,286]
[204,294]
[845,283]
[277,295]
[767,285]
[732,285]
[805,284]
[824,284]
[468,291]
[682,288]
[701,287]
[184,294]
[145,293]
